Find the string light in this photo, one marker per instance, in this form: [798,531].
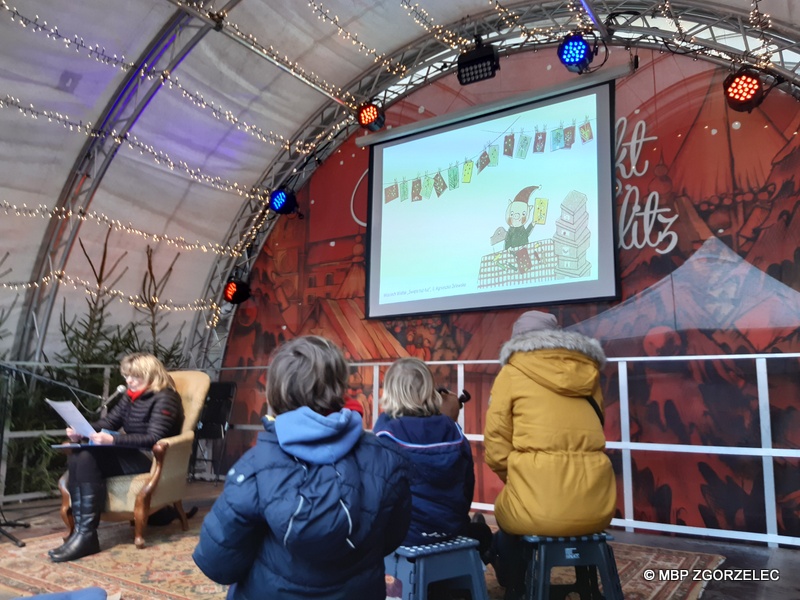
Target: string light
[423,19]
[92,289]
[666,12]
[63,213]
[761,22]
[136,301]
[539,34]
[248,39]
[388,64]
[169,81]
[133,142]
[583,20]
[95,52]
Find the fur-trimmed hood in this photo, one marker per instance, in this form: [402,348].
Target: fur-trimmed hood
[554,339]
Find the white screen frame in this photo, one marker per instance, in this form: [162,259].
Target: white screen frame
[604,281]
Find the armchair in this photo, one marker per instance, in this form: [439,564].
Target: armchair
[136,497]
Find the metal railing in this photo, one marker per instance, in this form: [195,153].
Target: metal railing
[627,446]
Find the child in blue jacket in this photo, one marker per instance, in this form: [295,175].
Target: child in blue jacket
[443,479]
[311,510]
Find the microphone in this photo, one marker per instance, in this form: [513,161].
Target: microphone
[121,389]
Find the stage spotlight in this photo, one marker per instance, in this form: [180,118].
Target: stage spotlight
[477,64]
[744,90]
[236,291]
[283,201]
[371,117]
[575,53]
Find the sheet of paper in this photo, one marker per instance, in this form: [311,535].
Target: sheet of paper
[72,416]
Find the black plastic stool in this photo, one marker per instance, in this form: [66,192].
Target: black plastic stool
[589,554]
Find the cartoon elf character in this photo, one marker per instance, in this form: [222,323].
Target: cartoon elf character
[518,214]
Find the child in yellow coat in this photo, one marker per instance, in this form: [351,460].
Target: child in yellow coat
[544,438]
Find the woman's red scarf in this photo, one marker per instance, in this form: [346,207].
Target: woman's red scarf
[134,395]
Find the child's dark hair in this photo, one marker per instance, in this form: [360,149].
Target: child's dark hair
[307,371]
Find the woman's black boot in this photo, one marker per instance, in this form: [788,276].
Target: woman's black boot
[74,496]
[91,500]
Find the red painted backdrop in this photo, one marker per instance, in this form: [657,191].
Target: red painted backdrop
[709,265]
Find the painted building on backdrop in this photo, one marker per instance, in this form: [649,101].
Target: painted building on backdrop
[707,242]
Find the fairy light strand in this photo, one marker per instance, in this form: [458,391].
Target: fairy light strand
[92,289]
[64,213]
[233,29]
[133,142]
[512,20]
[444,35]
[388,64]
[39,26]
[761,22]
[669,15]
[583,20]
[167,79]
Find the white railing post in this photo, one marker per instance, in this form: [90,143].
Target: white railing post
[770,509]
[625,439]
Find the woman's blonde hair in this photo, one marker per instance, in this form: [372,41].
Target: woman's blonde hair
[409,391]
[148,368]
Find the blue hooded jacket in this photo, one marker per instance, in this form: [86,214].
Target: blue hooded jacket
[443,478]
[308,512]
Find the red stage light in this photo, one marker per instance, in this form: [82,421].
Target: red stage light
[236,291]
[744,90]
[370,117]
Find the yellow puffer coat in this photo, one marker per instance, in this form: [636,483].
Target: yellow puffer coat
[544,439]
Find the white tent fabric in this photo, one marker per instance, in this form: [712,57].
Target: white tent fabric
[211,133]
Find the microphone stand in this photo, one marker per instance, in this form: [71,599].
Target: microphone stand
[4,523]
[5,402]
[4,407]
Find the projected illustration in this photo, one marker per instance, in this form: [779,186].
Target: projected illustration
[523,262]
[509,208]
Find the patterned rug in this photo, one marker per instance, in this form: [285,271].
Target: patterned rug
[164,570]
[632,562]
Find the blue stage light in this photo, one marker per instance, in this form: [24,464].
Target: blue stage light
[575,53]
[282,201]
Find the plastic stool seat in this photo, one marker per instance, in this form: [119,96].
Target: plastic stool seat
[454,561]
[589,554]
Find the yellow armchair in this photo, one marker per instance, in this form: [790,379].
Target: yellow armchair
[136,497]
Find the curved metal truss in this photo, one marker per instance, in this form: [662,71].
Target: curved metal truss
[702,30]
[169,47]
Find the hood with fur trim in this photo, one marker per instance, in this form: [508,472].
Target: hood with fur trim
[553,339]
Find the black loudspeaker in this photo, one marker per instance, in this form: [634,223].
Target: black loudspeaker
[213,421]
[212,426]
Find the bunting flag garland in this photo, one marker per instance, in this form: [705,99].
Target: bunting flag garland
[391,193]
[539,142]
[416,190]
[494,155]
[504,144]
[483,161]
[586,132]
[439,185]
[569,136]
[467,171]
[452,177]
[427,187]
[524,144]
[508,145]
[556,139]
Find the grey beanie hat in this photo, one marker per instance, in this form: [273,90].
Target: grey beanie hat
[534,320]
